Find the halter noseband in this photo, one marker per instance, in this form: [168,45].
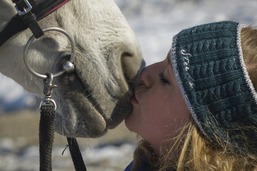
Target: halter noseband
[28,13]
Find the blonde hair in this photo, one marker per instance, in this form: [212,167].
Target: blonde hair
[249,48]
[196,153]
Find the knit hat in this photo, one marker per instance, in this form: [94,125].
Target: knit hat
[209,67]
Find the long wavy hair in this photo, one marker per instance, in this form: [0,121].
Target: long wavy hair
[190,150]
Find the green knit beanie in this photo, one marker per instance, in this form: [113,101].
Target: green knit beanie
[209,67]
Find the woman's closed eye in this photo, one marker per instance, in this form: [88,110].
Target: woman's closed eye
[163,79]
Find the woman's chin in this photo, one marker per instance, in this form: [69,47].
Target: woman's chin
[129,122]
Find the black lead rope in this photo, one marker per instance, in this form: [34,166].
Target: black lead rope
[46,132]
[76,155]
[46,136]
[28,15]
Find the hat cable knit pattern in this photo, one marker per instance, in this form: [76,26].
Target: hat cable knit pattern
[209,67]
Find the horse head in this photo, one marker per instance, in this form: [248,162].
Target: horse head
[95,97]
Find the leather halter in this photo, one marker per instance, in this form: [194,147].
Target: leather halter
[28,13]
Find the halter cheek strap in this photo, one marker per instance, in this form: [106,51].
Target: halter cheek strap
[28,13]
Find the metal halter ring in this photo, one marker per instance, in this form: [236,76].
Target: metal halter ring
[68,66]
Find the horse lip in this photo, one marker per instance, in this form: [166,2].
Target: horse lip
[87,91]
[89,96]
[63,57]
[67,127]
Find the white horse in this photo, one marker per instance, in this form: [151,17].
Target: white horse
[94,98]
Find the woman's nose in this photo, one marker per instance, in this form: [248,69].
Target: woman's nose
[145,77]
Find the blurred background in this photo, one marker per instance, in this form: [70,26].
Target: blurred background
[154,22]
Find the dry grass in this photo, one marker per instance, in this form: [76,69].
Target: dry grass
[22,127]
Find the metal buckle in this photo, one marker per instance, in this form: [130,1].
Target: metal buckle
[25,9]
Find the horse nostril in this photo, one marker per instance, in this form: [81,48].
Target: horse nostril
[131,66]
[126,60]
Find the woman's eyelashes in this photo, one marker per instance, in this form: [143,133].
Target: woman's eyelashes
[163,79]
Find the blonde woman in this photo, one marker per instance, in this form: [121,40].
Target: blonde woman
[197,109]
